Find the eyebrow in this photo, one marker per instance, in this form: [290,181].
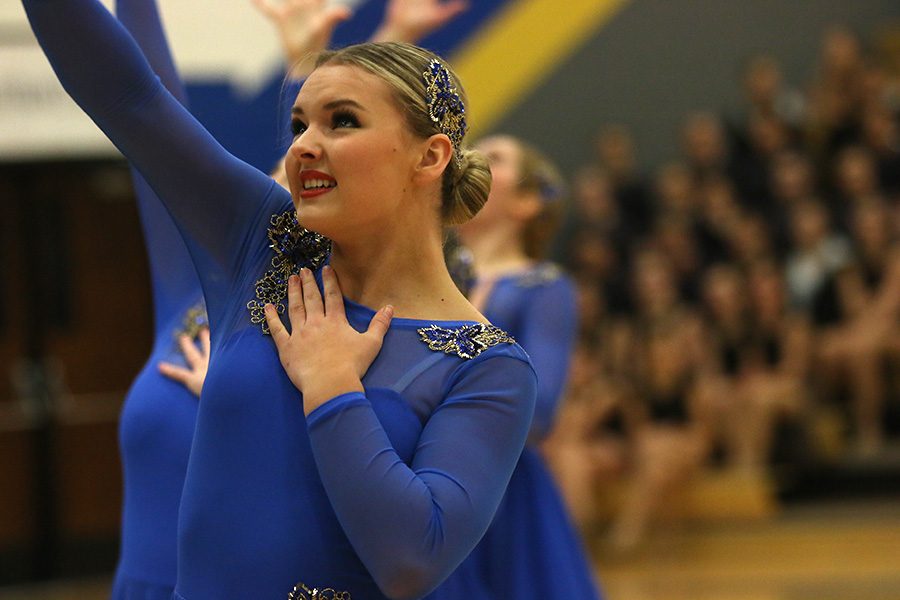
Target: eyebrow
[340,102]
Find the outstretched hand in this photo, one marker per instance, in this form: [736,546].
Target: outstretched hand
[322,354]
[197,360]
[304,26]
[412,20]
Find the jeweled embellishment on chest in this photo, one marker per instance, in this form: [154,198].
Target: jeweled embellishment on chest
[194,321]
[302,592]
[467,341]
[295,247]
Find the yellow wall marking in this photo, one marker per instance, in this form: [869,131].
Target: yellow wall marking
[519,47]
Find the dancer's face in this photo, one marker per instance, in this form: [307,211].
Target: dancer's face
[353,157]
[505,156]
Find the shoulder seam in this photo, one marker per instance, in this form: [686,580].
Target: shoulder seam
[521,356]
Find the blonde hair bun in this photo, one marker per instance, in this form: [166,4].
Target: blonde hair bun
[467,183]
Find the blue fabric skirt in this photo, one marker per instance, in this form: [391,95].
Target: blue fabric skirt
[532,550]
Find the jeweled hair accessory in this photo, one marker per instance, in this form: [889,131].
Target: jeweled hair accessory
[551,193]
[445,106]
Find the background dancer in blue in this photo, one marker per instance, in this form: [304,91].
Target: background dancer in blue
[532,549]
[376,486]
[156,426]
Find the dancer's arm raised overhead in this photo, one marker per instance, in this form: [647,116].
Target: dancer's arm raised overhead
[142,20]
[411,20]
[304,28]
[175,281]
[216,199]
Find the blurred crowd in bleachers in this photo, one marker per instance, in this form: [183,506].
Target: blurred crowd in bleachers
[740,304]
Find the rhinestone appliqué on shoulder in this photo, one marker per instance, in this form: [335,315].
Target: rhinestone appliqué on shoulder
[467,341]
[295,247]
[302,592]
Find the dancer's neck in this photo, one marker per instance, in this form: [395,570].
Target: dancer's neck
[407,272]
[497,251]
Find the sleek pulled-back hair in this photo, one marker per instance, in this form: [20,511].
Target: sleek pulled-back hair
[466,181]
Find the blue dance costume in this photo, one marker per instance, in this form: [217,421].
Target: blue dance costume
[532,551]
[158,417]
[376,494]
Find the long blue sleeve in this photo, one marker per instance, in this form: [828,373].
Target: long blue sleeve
[216,200]
[141,18]
[547,332]
[538,308]
[175,281]
[413,525]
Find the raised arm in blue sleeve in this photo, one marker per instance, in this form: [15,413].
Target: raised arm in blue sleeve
[141,18]
[412,525]
[175,280]
[547,332]
[217,201]
[172,272]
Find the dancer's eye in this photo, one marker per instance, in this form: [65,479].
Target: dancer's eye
[344,118]
[297,127]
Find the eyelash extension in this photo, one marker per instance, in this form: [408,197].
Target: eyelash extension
[342,115]
[337,118]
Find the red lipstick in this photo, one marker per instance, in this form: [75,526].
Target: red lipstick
[315,183]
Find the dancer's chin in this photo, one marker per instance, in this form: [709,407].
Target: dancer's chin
[312,218]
